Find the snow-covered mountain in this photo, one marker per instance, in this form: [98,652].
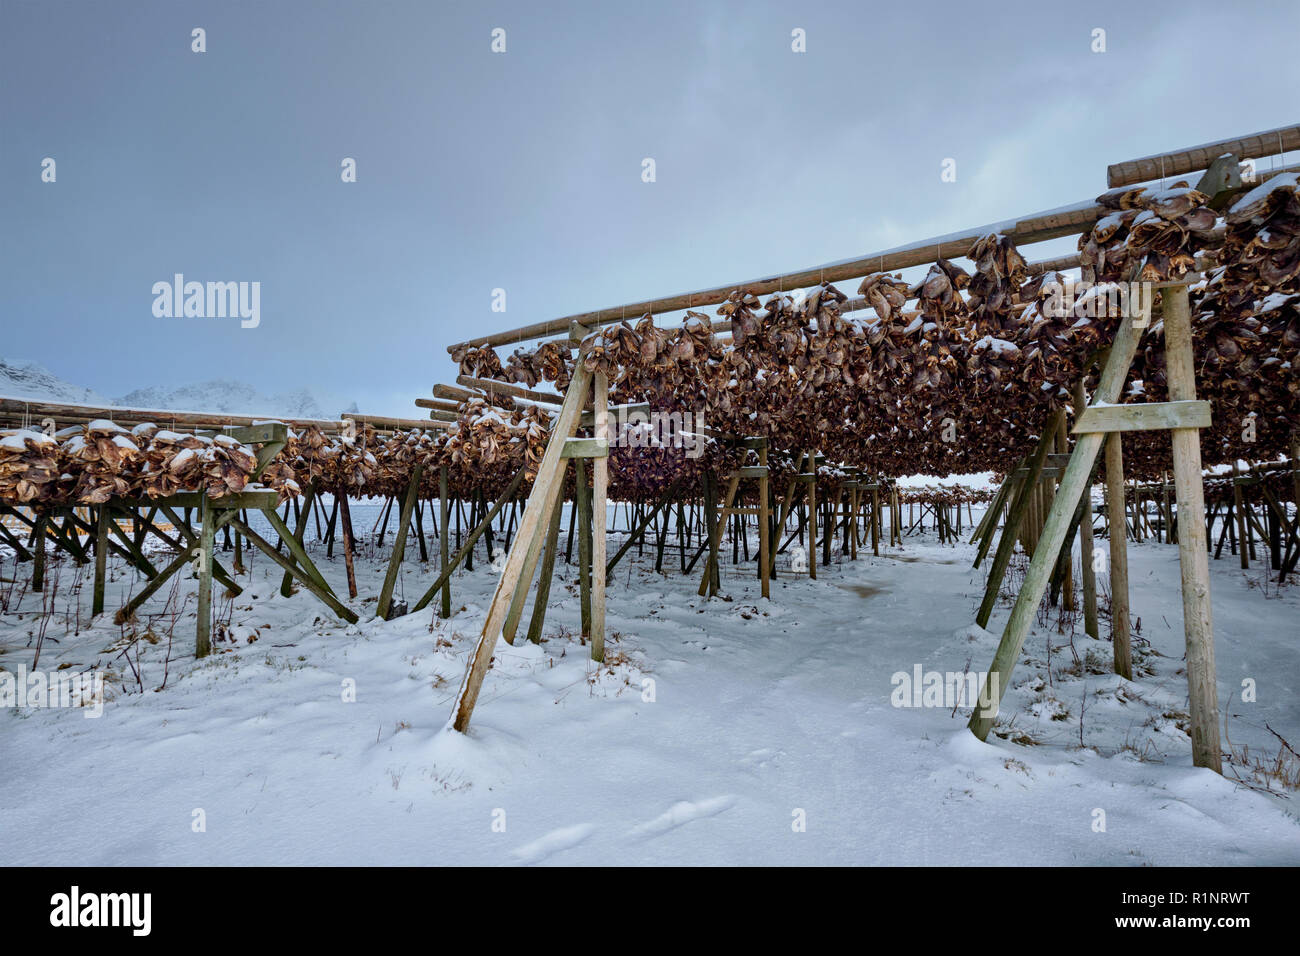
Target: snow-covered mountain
[23,379]
[237,398]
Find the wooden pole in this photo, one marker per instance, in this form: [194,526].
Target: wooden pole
[1086,572]
[1239,507]
[812,516]
[38,553]
[1119,606]
[302,574]
[296,549]
[875,518]
[101,559]
[599,493]
[349,542]
[764,526]
[444,531]
[1198,622]
[707,583]
[207,536]
[544,580]
[300,527]
[1067,567]
[450,565]
[399,543]
[584,546]
[419,531]
[536,516]
[643,520]
[1015,516]
[1073,482]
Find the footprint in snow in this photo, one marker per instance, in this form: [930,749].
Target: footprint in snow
[761,758]
[565,838]
[680,814]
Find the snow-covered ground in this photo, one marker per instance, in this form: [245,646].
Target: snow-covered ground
[714,730]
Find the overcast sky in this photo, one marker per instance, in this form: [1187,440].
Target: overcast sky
[523,170]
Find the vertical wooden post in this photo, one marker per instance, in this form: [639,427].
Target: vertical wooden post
[238,566]
[875,517]
[38,554]
[764,519]
[1167,513]
[444,533]
[812,516]
[1119,606]
[399,542]
[710,522]
[896,519]
[583,504]
[1239,509]
[599,493]
[710,583]
[330,527]
[1067,568]
[101,559]
[300,527]
[548,571]
[855,506]
[787,505]
[1086,572]
[207,537]
[349,541]
[1198,622]
[419,531]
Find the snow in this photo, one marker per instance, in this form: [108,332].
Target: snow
[106,426]
[29,380]
[760,710]
[1274,300]
[999,346]
[1280,181]
[19,438]
[1112,221]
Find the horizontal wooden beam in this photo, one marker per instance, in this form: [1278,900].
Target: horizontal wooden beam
[509,388]
[22,408]
[1038,227]
[454,393]
[438,404]
[257,499]
[588,419]
[1146,416]
[1164,165]
[252,434]
[585,448]
[383,421]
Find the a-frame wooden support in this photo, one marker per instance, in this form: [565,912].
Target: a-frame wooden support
[1180,373]
[709,582]
[518,569]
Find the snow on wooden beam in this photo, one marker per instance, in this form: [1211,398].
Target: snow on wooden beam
[508,388]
